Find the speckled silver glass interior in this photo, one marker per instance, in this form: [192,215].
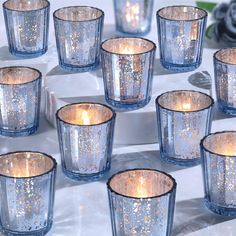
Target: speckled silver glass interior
[227,56]
[82,13]
[141,183]
[222,143]
[25,5]
[128,46]
[18,75]
[25,164]
[174,100]
[182,13]
[74,114]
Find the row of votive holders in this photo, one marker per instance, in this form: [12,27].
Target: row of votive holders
[142,201]
[78,32]
[20,90]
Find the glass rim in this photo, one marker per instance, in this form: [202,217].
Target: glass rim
[128,54]
[54,164]
[194,7]
[182,90]
[81,103]
[213,134]
[142,169]
[91,7]
[39,77]
[221,50]
[41,8]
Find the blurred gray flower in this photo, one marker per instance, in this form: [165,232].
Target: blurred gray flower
[225,26]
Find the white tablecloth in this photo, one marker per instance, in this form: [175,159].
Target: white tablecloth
[81,209]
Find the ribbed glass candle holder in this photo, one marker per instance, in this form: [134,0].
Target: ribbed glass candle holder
[142,202]
[184,118]
[181,34]
[218,152]
[133,16]
[27,181]
[20,95]
[27,23]
[225,79]
[127,65]
[85,132]
[78,31]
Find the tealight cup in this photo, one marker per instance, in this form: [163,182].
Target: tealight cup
[20,95]
[181,31]
[27,23]
[133,17]
[78,31]
[127,65]
[184,118]
[85,133]
[27,181]
[218,151]
[225,79]
[142,202]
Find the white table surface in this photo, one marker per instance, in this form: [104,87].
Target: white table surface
[81,209]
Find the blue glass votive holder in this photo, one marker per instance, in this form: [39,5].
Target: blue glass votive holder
[218,151]
[181,31]
[85,133]
[27,182]
[27,23]
[142,202]
[133,16]
[20,95]
[225,79]
[127,65]
[78,31]
[183,118]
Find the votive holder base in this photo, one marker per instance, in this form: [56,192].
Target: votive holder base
[79,69]
[226,108]
[40,232]
[21,133]
[84,177]
[180,68]
[27,54]
[224,211]
[127,106]
[180,162]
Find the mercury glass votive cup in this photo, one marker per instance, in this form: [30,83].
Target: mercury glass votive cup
[218,151]
[78,31]
[225,79]
[27,184]
[142,202]
[183,118]
[181,31]
[20,95]
[27,23]
[127,65]
[85,133]
[133,16]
